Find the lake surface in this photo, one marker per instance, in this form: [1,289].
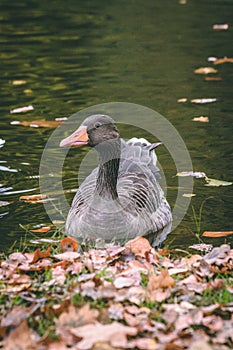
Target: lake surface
[64,56]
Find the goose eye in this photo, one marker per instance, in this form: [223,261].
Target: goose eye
[97,125]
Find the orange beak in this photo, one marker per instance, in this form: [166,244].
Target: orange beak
[78,138]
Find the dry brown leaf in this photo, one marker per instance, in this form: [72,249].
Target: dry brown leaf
[18,82]
[4,203]
[43,229]
[22,109]
[40,123]
[216,234]
[68,244]
[38,254]
[212,78]
[223,60]
[164,280]
[34,198]
[68,256]
[224,26]
[77,317]
[182,100]
[138,246]
[15,316]
[201,119]
[21,337]
[189,195]
[114,333]
[205,70]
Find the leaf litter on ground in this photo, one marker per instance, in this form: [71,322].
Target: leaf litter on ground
[120,297]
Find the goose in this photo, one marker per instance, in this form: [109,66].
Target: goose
[121,198]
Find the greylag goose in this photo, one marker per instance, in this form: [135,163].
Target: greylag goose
[121,198]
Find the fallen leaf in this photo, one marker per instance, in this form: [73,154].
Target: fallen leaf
[138,246]
[43,229]
[68,244]
[213,78]
[4,203]
[126,281]
[39,123]
[223,60]
[201,119]
[34,198]
[163,280]
[214,234]
[68,256]
[224,26]
[38,254]
[203,100]
[21,338]
[15,316]
[73,318]
[205,70]
[189,195]
[202,247]
[216,183]
[196,174]
[200,345]
[18,82]
[22,109]
[182,100]
[114,333]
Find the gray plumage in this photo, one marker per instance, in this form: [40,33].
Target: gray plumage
[122,197]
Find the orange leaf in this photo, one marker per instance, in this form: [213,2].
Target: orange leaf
[38,254]
[68,244]
[164,280]
[43,229]
[35,198]
[213,78]
[216,234]
[138,246]
[223,60]
[40,123]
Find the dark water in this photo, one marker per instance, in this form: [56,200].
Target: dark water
[75,54]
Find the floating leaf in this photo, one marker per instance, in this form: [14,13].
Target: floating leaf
[212,59]
[189,195]
[201,119]
[18,82]
[34,198]
[196,174]
[216,183]
[205,70]
[213,78]
[216,234]
[223,60]
[182,100]
[4,203]
[224,26]
[40,123]
[203,100]
[22,109]
[43,229]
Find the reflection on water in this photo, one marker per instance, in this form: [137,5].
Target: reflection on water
[74,54]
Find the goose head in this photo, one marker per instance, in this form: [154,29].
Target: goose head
[93,131]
